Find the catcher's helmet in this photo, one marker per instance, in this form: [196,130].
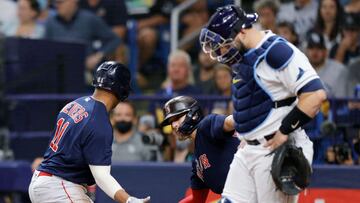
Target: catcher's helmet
[114,77]
[180,106]
[222,29]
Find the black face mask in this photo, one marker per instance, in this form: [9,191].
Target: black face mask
[123,126]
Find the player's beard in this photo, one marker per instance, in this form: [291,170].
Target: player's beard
[237,44]
[241,47]
[180,136]
[318,63]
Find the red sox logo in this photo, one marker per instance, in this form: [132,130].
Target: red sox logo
[201,164]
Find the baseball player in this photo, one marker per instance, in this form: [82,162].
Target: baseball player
[79,153]
[215,144]
[275,91]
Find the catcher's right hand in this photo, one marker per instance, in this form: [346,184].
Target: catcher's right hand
[137,200]
[278,140]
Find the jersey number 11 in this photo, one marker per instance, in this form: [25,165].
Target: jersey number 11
[60,129]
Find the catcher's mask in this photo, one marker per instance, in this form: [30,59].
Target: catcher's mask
[179,106]
[290,169]
[217,37]
[114,77]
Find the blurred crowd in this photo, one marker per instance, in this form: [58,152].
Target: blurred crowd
[327,31]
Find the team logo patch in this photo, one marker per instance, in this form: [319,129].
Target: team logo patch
[202,163]
[301,73]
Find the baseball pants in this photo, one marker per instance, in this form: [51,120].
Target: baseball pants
[51,189]
[249,179]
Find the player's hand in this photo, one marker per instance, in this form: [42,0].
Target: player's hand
[137,200]
[346,42]
[276,141]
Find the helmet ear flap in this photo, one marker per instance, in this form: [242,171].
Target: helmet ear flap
[192,119]
[124,87]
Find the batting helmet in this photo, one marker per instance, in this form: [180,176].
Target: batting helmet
[183,105]
[222,29]
[114,77]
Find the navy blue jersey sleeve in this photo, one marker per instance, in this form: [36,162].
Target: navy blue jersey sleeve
[213,126]
[197,183]
[97,144]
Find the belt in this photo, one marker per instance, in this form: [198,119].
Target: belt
[256,142]
[42,173]
[284,102]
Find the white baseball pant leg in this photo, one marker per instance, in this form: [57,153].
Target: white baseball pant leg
[53,189]
[249,179]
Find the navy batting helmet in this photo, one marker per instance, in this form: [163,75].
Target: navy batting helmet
[183,105]
[222,29]
[114,77]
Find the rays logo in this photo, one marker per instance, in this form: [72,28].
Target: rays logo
[300,74]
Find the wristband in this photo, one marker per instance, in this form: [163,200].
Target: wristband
[294,120]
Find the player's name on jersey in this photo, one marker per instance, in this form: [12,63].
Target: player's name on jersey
[75,111]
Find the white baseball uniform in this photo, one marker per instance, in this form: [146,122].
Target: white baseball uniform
[249,179]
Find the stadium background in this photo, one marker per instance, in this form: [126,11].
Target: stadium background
[40,73]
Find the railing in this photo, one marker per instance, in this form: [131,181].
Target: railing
[133,52]
[137,97]
[175,15]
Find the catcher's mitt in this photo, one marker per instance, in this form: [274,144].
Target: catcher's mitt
[290,169]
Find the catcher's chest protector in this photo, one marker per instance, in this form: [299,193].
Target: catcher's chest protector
[252,103]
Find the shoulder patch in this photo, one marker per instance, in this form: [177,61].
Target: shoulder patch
[279,55]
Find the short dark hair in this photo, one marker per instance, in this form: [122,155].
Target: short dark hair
[273,5]
[130,104]
[290,26]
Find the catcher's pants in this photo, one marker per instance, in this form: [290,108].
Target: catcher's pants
[55,189]
[249,179]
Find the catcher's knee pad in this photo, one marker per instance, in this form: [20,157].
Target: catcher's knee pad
[224,200]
